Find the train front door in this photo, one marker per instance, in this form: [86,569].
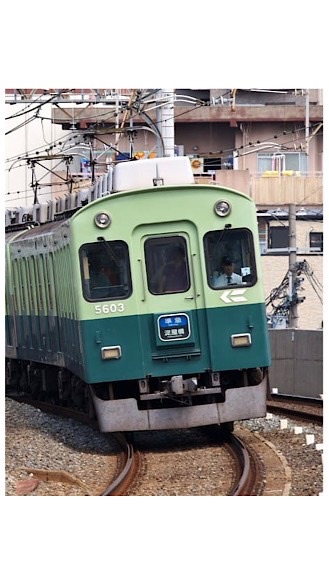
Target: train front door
[168,298]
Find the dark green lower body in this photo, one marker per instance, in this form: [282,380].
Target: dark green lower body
[78,345]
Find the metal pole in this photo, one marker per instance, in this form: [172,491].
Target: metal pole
[166,123]
[159,126]
[307,120]
[293,317]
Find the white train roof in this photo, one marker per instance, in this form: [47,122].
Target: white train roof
[152,172]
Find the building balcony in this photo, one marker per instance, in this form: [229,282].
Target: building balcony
[268,190]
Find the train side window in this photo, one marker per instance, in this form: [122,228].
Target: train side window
[166,265]
[234,247]
[105,269]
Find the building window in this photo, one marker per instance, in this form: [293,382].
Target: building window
[210,165]
[262,234]
[316,240]
[281,162]
[278,237]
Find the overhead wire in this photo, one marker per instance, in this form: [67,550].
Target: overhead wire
[141,100]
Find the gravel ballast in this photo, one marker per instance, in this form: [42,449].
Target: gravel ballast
[83,458]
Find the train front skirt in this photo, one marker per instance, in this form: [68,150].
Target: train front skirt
[241,403]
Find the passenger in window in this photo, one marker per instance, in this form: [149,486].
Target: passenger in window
[227,276]
[173,276]
[99,279]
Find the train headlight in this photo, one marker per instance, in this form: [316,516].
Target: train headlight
[102,220]
[243,340]
[222,208]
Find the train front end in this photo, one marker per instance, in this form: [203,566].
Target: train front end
[166,343]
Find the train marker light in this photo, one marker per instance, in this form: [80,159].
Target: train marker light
[222,208]
[102,220]
[111,352]
[243,340]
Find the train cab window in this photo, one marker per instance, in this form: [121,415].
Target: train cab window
[166,265]
[230,258]
[105,270]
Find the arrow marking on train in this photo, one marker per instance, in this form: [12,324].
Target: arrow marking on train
[236,294]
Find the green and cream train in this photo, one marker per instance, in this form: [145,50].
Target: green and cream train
[114,303]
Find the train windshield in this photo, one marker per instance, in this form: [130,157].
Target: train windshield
[166,265]
[230,258]
[105,269]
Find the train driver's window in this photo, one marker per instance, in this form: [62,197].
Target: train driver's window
[230,258]
[167,265]
[105,270]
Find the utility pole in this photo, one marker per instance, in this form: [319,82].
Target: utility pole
[293,317]
[307,123]
[165,121]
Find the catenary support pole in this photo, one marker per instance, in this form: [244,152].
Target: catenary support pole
[293,316]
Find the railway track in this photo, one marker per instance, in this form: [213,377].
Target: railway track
[307,409]
[240,464]
[252,466]
[129,469]
[249,469]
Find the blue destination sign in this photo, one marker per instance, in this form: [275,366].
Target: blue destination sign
[174,327]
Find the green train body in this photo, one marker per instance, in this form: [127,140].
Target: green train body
[99,315]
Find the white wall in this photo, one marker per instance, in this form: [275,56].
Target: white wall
[33,137]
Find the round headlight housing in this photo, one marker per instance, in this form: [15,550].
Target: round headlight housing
[102,220]
[222,208]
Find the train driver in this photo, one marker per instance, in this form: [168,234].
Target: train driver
[227,276]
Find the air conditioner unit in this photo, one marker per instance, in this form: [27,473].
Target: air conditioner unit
[197,164]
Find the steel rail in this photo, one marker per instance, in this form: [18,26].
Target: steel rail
[247,478]
[119,484]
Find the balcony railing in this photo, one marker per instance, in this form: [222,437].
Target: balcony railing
[275,190]
[283,190]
